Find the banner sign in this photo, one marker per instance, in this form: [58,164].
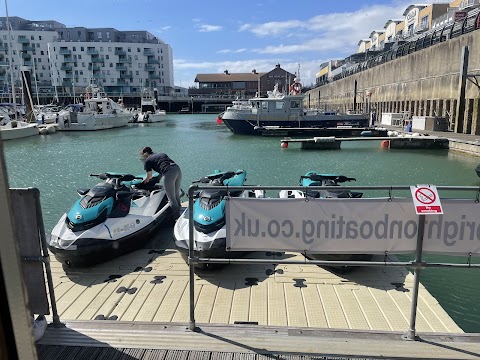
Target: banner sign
[350,226]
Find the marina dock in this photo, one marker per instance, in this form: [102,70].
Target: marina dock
[404,142]
[137,304]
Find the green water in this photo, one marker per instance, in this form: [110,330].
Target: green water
[60,163]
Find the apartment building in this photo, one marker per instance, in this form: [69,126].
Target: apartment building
[417,19]
[123,62]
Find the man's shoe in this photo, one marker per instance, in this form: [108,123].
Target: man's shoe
[39,327]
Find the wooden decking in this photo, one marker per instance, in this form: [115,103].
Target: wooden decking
[151,285]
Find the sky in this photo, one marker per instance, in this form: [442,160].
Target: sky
[211,36]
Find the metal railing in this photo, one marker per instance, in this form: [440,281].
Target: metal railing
[417,264]
[417,42]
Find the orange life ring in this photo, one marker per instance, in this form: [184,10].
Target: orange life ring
[297,88]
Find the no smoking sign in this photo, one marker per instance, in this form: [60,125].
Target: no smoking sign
[426,199]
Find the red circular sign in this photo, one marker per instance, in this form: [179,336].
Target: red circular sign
[425,196]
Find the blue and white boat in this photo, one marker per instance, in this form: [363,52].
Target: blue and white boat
[284,115]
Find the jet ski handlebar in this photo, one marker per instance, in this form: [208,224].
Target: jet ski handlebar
[220,177]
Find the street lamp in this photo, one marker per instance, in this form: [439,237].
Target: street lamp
[254,71]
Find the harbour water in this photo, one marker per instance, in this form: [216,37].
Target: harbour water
[60,163]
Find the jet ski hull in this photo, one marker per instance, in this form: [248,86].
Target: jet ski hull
[90,251]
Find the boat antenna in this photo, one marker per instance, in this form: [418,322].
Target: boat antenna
[14,99]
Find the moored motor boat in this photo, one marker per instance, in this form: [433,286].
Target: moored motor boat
[114,217]
[283,114]
[313,182]
[149,112]
[209,218]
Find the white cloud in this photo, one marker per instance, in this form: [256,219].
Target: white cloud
[228,51]
[362,21]
[209,28]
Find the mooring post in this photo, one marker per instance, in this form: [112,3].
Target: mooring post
[462,83]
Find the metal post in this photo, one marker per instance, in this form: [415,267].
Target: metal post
[355,87]
[461,91]
[410,335]
[190,256]
[48,269]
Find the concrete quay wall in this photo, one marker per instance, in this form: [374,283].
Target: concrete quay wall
[424,83]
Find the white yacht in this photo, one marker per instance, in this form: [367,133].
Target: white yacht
[16,129]
[48,114]
[149,113]
[99,112]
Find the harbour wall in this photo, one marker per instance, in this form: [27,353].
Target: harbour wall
[425,83]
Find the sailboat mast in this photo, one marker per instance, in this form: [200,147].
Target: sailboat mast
[53,73]
[14,99]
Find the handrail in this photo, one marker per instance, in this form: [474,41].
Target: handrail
[416,264]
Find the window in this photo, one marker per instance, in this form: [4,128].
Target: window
[107,57]
[294,104]
[101,48]
[107,34]
[99,34]
[82,48]
[79,33]
[41,52]
[424,23]
[109,49]
[265,105]
[137,73]
[136,57]
[79,56]
[40,37]
[32,37]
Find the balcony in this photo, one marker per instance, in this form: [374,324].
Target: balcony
[121,67]
[23,40]
[98,60]
[92,51]
[27,48]
[26,55]
[148,52]
[94,67]
[69,60]
[466,5]
[124,60]
[153,76]
[68,76]
[120,52]
[67,83]
[64,52]
[66,67]
[28,63]
[125,76]
[121,82]
[153,61]
[150,68]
